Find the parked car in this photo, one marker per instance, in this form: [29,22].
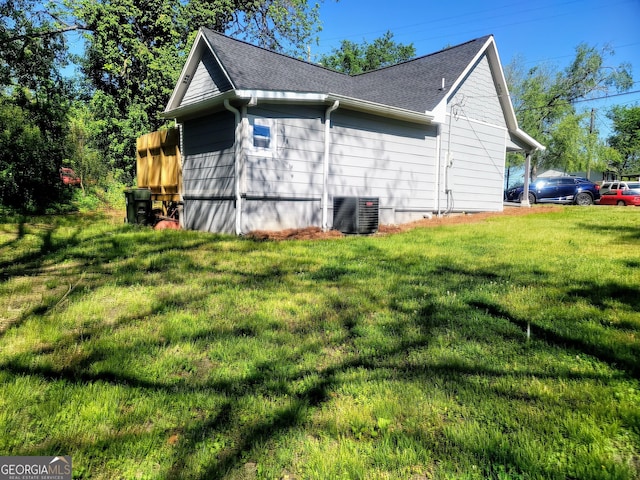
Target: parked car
[576,190]
[69,177]
[628,195]
[612,185]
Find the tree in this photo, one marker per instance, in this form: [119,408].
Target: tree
[83,156]
[33,106]
[625,139]
[136,50]
[545,104]
[352,58]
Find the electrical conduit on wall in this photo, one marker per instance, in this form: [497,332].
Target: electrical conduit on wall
[325,166]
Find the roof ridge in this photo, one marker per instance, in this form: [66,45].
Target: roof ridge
[421,57]
[318,65]
[265,49]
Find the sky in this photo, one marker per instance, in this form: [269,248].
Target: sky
[544,32]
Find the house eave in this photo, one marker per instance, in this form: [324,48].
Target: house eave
[379,109]
[262,96]
[528,140]
[200,44]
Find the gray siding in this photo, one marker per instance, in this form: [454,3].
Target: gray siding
[208,80]
[478,144]
[477,97]
[209,215]
[208,172]
[379,157]
[280,214]
[476,174]
[283,186]
[208,158]
[293,167]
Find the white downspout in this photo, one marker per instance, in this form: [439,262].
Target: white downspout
[325,165]
[438,154]
[237,156]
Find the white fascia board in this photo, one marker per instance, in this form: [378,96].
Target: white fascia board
[345,102]
[503,90]
[491,51]
[245,97]
[200,44]
[528,139]
[380,109]
[489,48]
[193,109]
[258,96]
[293,97]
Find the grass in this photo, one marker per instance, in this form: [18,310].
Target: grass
[161,355]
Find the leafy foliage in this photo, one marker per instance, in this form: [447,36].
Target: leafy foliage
[545,104]
[84,157]
[135,53]
[33,106]
[353,58]
[626,138]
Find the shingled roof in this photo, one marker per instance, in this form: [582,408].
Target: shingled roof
[415,85]
[414,91]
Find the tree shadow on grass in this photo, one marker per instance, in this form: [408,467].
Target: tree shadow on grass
[623,357]
[292,408]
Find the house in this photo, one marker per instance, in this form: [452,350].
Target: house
[269,141]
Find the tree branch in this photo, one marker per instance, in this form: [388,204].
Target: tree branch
[47,33]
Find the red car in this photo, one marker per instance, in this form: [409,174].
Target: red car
[627,196]
[69,177]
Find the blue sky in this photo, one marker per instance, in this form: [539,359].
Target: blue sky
[538,32]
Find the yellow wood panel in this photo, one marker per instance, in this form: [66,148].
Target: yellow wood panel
[159,165]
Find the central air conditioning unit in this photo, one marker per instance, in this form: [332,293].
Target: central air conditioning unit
[356,214]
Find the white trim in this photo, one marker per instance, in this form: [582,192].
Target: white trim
[238,144]
[189,69]
[480,122]
[265,95]
[525,137]
[193,109]
[272,124]
[382,110]
[294,97]
[325,164]
[490,50]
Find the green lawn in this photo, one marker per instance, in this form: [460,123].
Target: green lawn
[173,354]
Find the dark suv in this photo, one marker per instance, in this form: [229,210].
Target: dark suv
[558,190]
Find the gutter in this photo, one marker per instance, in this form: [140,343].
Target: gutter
[325,165]
[382,110]
[196,108]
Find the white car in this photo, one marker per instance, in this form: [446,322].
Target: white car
[615,185]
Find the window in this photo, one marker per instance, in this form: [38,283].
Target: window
[261,136]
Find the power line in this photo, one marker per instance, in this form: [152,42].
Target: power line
[606,96]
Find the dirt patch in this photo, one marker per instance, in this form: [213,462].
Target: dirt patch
[316,233]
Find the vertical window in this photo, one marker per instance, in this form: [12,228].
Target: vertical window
[261,136]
